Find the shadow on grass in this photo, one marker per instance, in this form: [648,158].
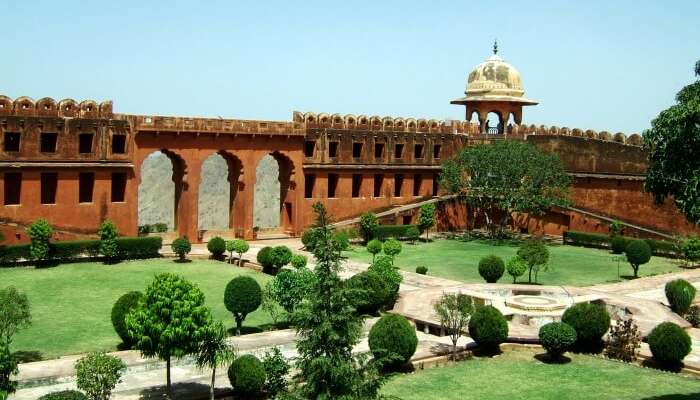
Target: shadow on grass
[185,261]
[246,330]
[691,396]
[588,348]
[24,356]
[185,390]
[487,352]
[547,359]
[651,363]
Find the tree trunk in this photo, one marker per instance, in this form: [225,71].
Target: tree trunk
[240,260]
[454,350]
[211,388]
[239,323]
[529,276]
[169,386]
[636,270]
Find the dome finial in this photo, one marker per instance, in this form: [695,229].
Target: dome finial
[495,46]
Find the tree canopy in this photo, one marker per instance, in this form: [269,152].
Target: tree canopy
[504,177]
[673,143]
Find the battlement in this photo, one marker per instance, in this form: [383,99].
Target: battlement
[48,107]
[155,123]
[421,125]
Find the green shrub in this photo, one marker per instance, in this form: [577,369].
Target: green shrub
[181,247]
[343,240]
[39,233]
[586,239]
[590,321]
[691,249]
[121,308]
[65,395]
[368,226]
[557,338]
[241,297]
[160,227]
[247,376]
[144,230]
[616,228]
[238,246]
[8,368]
[624,340]
[637,252]
[264,258]
[309,238]
[13,253]
[393,339]
[491,268]
[680,295]
[392,248]
[137,248]
[421,269]
[664,248]
[384,232]
[289,287]
[276,370]
[369,292]
[412,233]
[279,256]
[298,261]
[536,255]
[97,374]
[618,244]
[669,343]
[108,240]
[488,327]
[217,247]
[73,249]
[516,267]
[374,247]
[384,267]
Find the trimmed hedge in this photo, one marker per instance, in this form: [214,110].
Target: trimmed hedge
[393,337]
[247,376]
[590,321]
[669,343]
[488,327]
[128,248]
[663,248]
[680,295]
[557,338]
[383,232]
[217,247]
[491,268]
[121,308]
[371,292]
[65,395]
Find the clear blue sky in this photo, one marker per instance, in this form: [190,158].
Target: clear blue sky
[597,64]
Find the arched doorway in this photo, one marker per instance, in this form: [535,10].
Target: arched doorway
[494,123]
[272,204]
[217,192]
[159,190]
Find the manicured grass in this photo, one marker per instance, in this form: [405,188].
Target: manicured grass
[516,374]
[71,303]
[569,265]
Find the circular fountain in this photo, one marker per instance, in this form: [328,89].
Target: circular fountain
[528,302]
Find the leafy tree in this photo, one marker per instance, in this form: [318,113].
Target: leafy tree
[328,328]
[171,321]
[504,177]
[241,297]
[392,248]
[368,226]
[343,240]
[691,250]
[280,256]
[374,247]
[516,267]
[181,247]
[535,254]
[289,287]
[454,311]
[214,352]
[298,261]
[238,246]
[269,303]
[39,233]
[426,218]
[108,240]
[97,374]
[14,313]
[276,370]
[638,253]
[8,367]
[370,291]
[672,145]
[412,234]
[384,267]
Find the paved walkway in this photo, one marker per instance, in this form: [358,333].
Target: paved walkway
[144,377]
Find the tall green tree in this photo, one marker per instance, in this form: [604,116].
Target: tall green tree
[328,329]
[673,145]
[214,352]
[426,218]
[504,177]
[171,321]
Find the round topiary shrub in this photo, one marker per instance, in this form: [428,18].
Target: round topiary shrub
[669,343]
[557,338]
[181,247]
[488,327]
[371,291]
[590,322]
[638,252]
[390,274]
[618,244]
[491,268]
[680,295]
[65,395]
[217,247]
[392,248]
[247,376]
[412,233]
[298,261]
[393,337]
[241,297]
[121,308]
[421,269]
[374,247]
[279,256]
[264,258]
[516,267]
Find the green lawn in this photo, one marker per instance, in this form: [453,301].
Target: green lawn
[71,303]
[569,265]
[517,375]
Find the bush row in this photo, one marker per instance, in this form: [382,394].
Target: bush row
[128,248]
[658,247]
[384,232]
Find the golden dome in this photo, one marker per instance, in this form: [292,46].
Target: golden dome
[494,80]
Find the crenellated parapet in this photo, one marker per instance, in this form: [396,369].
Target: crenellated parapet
[156,123]
[48,107]
[619,137]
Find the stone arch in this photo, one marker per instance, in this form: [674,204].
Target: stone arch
[493,122]
[272,204]
[162,177]
[218,187]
